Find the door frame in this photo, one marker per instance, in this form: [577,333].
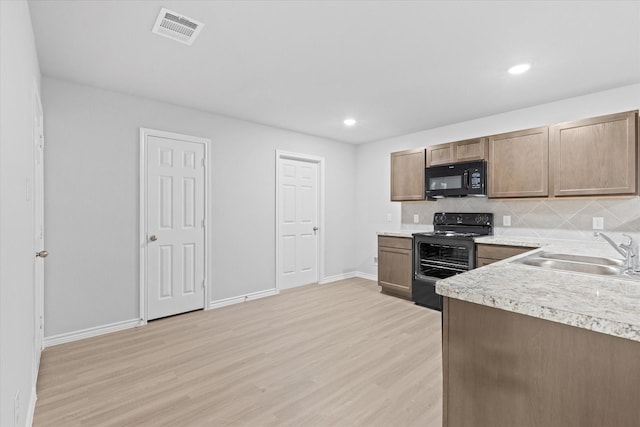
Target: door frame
[38,215]
[283,155]
[144,133]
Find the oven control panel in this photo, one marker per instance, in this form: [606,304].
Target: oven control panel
[470,219]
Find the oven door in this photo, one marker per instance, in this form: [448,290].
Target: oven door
[436,258]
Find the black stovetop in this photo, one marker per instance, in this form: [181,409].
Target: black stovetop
[461,225]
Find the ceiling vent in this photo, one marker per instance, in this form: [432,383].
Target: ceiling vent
[177,27]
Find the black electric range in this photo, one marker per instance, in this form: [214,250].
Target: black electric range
[446,251]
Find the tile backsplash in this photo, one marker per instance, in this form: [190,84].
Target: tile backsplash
[551,218]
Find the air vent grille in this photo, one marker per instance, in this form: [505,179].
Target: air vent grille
[177,27]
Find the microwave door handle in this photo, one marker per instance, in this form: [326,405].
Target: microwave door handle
[466,179]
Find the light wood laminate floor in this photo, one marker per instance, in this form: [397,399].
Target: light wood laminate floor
[339,354]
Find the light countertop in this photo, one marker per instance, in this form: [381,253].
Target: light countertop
[402,233]
[597,303]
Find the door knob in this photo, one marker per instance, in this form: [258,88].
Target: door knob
[315,229]
[153,237]
[42,254]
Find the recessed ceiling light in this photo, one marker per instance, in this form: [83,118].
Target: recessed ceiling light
[349,122]
[519,69]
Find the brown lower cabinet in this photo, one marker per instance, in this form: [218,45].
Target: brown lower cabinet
[395,268]
[488,254]
[503,369]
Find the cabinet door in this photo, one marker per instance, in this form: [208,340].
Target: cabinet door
[407,175]
[459,151]
[594,156]
[519,164]
[440,154]
[473,149]
[395,270]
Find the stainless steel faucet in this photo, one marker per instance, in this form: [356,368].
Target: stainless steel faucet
[626,250]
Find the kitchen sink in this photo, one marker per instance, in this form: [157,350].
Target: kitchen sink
[574,263]
[581,258]
[578,267]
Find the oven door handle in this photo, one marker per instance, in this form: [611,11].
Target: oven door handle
[465,178]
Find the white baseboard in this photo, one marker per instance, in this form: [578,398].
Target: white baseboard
[337,277]
[367,276]
[31,410]
[351,275]
[242,298]
[90,332]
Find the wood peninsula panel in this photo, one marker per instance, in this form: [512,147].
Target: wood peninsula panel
[503,369]
[395,267]
[595,156]
[407,175]
[518,164]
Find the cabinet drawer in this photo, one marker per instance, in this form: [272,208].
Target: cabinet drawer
[499,252]
[395,242]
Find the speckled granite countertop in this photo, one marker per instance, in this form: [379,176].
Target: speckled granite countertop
[598,303]
[400,233]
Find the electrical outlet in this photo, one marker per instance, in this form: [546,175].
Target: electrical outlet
[375,260]
[506,220]
[389,217]
[416,218]
[598,223]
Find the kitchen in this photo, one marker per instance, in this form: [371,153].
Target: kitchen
[358,185]
[578,278]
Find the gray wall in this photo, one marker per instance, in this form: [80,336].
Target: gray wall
[92,193]
[19,78]
[373,163]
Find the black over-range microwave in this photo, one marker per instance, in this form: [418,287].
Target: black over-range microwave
[456,180]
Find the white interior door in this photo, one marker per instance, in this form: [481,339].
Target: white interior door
[175,226]
[298,222]
[38,226]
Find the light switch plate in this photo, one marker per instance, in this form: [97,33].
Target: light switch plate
[416,218]
[389,217]
[506,220]
[598,223]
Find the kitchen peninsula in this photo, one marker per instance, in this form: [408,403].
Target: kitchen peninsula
[530,347]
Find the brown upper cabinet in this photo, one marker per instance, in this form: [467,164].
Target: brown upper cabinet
[407,175]
[518,164]
[591,157]
[594,156]
[459,151]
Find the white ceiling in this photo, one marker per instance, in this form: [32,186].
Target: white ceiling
[396,66]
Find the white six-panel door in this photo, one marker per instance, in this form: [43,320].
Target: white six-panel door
[298,222]
[175,226]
